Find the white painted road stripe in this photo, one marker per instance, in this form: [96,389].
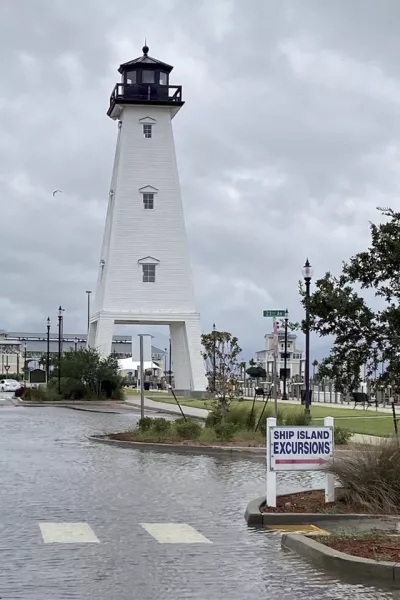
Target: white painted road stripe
[68,533]
[174,533]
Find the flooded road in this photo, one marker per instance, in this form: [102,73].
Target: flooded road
[86,520]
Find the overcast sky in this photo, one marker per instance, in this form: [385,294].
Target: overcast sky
[288,140]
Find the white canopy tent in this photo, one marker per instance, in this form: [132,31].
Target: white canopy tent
[129,365]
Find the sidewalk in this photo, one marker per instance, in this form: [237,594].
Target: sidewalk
[169,408]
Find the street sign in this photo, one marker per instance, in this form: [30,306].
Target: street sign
[300,448]
[274,313]
[7,367]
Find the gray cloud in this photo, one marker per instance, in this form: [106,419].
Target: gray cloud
[288,141]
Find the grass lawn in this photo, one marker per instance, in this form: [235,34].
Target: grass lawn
[368,422]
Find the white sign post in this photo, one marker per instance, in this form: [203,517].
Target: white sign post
[299,449]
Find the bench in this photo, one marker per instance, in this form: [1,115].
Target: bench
[364,399]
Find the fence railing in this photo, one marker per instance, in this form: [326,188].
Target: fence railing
[322,392]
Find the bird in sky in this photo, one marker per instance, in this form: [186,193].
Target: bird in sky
[56,192]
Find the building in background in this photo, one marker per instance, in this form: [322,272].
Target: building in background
[295,360]
[12,348]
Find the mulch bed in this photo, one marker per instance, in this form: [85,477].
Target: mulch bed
[309,502]
[381,548]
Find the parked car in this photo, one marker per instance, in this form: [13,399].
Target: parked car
[9,385]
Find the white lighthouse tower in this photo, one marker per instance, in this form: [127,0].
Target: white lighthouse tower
[144,272]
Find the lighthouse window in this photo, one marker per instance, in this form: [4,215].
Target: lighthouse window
[147,76]
[163,78]
[131,77]
[148,201]
[149,273]
[147,130]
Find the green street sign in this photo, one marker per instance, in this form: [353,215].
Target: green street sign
[274,313]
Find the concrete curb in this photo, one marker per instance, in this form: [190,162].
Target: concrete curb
[239,451]
[345,565]
[254,516]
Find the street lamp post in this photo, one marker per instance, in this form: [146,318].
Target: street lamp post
[88,292]
[284,395]
[165,363]
[76,344]
[48,350]
[214,360]
[170,363]
[307,274]
[60,333]
[25,365]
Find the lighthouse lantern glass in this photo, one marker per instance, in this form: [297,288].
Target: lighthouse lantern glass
[131,77]
[147,76]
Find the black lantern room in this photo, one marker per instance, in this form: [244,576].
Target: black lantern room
[144,80]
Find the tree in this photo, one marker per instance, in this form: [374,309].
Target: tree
[364,335]
[85,374]
[220,353]
[257,372]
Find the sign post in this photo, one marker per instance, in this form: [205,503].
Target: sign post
[299,449]
[271,475]
[275,376]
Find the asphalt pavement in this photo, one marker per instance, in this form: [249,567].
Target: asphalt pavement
[85,520]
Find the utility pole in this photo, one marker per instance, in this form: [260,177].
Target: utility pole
[141,336]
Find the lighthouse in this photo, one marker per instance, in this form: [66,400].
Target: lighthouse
[144,273]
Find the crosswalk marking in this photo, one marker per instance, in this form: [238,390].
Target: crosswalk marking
[68,533]
[174,533]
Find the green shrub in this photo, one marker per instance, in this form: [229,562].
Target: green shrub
[188,430]
[225,432]
[33,394]
[241,417]
[214,416]
[269,412]
[296,418]
[40,394]
[145,424]
[342,435]
[370,479]
[161,425]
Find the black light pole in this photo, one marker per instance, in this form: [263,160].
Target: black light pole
[284,396]
[214,360]
[76,344]
[25,365]
[307,274]
[60,319]
[170,363]
[48,350]
[165,363]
